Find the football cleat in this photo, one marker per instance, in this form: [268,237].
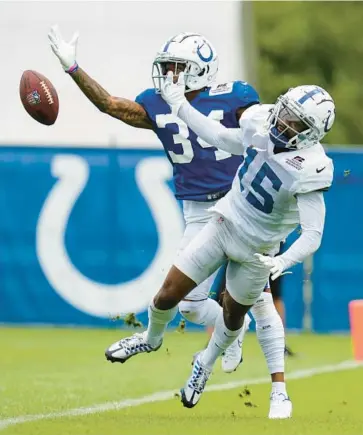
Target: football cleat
[195,385]
[124,349]
[280,406]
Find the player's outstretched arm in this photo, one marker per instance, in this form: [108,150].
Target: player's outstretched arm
[126,110]
[213,132]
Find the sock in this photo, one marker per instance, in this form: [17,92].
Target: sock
[270,332]
[222,338]
[158,321]
[200,312]
[279,387]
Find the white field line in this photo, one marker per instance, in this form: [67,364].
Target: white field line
[168,395]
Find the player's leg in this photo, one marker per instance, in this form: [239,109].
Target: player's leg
[271,336]
[232,357]
[228,327]
[276,291]
[197,307]
[162,310]
[270,333]
[203,257]
[243,287]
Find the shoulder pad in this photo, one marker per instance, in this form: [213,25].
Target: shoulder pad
[145,96]
[257,113]
[316,171]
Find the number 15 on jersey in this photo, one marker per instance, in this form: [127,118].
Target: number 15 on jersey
[265,171]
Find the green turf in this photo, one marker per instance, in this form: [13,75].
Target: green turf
[53,370]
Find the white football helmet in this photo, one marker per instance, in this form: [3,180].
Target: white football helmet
[301,117]
[195,53]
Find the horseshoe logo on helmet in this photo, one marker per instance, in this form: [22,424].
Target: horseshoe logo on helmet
[207,58]
[327,124]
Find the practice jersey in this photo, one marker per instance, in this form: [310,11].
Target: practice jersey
[201,171]
[262,203]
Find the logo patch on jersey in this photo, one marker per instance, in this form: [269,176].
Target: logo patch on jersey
[223,88]
[318,170]
[296,162]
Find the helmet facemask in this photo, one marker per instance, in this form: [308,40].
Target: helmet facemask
[290,128]
[162,65]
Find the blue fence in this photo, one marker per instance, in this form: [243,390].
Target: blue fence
[88,234]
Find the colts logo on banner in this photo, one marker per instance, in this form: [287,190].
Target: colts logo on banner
[71,171]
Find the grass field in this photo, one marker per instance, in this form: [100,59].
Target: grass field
[56,381]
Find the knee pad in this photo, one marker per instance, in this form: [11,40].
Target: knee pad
[270,332]
[200,312]
[264,307]
[268,320]
[190,310]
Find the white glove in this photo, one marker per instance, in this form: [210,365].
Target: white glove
[65,51]
[275,264]
[173,93]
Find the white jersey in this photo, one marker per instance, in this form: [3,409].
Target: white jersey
[262,203]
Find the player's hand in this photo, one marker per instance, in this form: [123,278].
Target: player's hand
[65,51]
[173,93]
[275,264]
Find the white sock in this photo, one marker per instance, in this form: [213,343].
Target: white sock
[222,338]
[270,332]
[279,387]
[158,321]
[200,312]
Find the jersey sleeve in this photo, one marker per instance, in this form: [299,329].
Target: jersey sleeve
[318,177]
[312,217]
[148,101]
[252,122]
[256,115]
[143,97]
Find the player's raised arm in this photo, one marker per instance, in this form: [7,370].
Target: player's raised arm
[213,132]
[126,110]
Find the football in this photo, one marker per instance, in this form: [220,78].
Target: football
[39,97]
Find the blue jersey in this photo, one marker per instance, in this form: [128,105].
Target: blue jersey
[201,172]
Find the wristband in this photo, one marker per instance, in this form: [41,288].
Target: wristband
[72,69]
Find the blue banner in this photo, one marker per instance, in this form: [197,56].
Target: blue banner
[338,264]
[87,236]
